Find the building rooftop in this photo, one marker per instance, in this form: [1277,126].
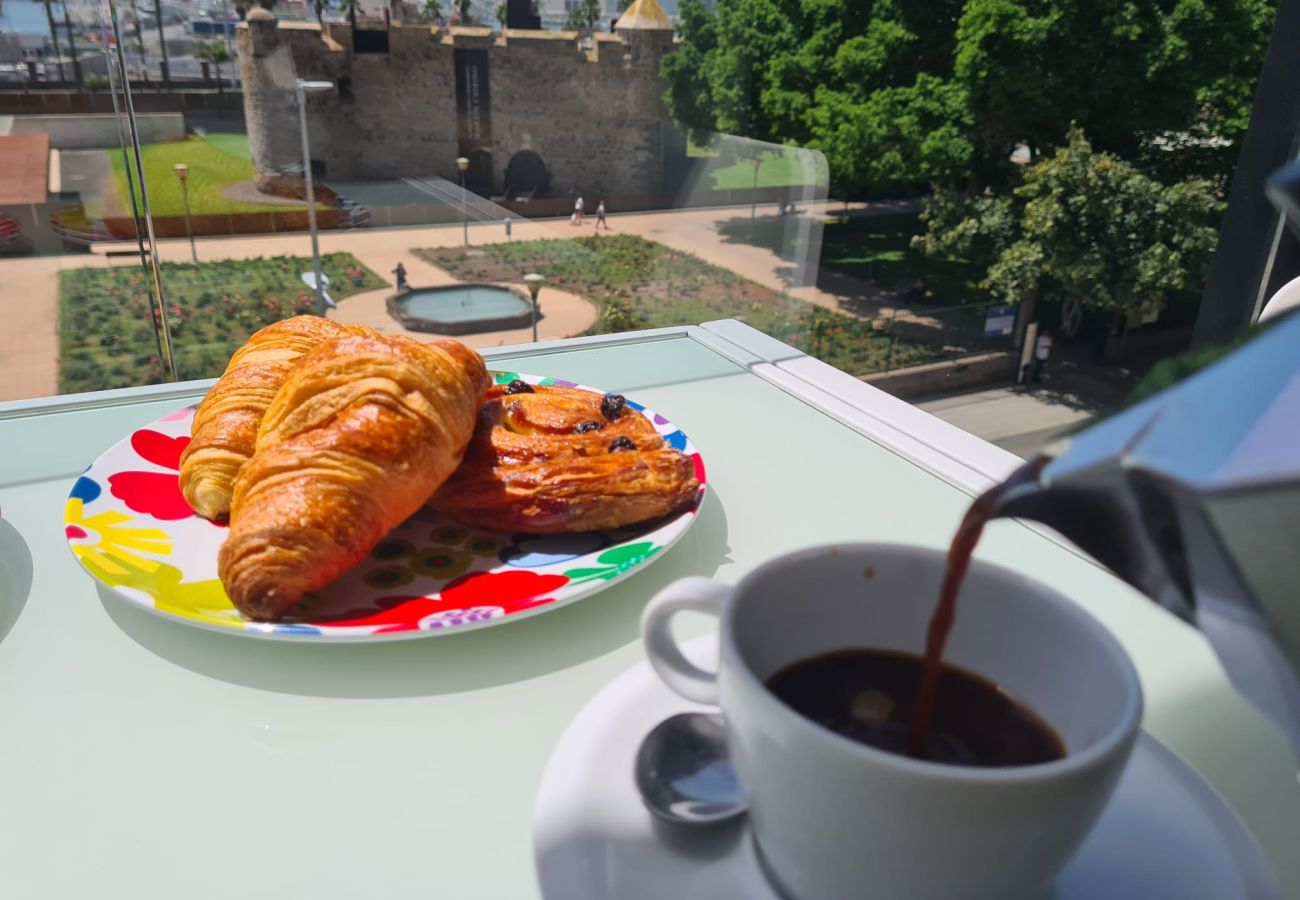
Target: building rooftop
[644,15]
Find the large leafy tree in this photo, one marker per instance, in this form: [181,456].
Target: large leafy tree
[1136,75]
[940,88]
[584,16]
[1083,226]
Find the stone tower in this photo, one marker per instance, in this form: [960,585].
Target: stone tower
[267,70]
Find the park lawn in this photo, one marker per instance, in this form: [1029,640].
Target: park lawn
[638,284]
[211,169]
[106,339]
[878,249]
[231,144]
[779,168]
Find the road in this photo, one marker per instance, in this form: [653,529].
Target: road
[1017,419]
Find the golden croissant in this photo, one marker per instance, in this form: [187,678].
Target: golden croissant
[548,459]
[362,431]
[225,424]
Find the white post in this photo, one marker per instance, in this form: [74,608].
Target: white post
[311,197]
[1027,351]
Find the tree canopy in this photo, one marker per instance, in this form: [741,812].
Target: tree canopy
[902,92]
[1083,225]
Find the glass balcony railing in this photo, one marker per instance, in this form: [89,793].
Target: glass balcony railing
[154,213]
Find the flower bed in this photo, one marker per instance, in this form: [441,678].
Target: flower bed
[106,336]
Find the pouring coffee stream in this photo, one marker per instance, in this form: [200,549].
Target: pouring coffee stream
[945,612]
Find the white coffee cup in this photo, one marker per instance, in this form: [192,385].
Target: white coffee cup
[834,818]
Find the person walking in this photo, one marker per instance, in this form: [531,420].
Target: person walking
[1042,350]
[400,272]
[600,216]
[577,210]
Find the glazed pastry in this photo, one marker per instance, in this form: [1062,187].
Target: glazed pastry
[226,422]
[548,459]
[363,430]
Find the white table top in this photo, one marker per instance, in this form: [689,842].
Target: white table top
[145,759]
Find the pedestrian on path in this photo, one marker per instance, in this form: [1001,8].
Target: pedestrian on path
[400,272]
[600,216]
[577,211]
[1042,350]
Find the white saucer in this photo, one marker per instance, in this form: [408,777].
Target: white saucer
[1165,836]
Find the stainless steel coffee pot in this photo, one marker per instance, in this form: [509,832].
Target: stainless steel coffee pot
[1193,497]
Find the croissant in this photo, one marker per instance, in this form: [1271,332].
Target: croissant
[225,424]
[548,459]
[362,431]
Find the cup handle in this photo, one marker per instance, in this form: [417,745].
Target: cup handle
[693,594]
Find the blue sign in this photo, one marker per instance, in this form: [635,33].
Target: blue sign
[999,321]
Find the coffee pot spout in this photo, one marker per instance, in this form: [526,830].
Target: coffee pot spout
[1193,497]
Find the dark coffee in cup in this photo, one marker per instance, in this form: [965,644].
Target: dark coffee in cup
[871,696]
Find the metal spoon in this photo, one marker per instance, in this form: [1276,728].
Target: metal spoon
[684,774]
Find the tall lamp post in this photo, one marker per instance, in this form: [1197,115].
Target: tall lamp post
[534,282]
[302,89]
[183,173]
[463,165]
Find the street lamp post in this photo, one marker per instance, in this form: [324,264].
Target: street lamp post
[463,165]
[534,282]
[753,205]
[302,88]
[183,173]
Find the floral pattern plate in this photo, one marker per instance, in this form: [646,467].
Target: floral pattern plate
[131,529]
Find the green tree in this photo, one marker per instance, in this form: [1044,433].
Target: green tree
[501,14]
[689,96]
[584,16]
[431,10]
[350,8]
[1084,226]
[1166,84]
[214,53]
[894,137]
[1126,71]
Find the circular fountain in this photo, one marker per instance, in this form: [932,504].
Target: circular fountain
[461,308]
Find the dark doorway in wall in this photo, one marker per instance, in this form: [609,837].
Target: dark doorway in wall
[526,175]
[479,176]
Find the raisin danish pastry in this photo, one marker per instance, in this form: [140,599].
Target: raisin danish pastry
[226,422]
[547,459]
[363,430]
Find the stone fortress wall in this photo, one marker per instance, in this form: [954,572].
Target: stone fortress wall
[594,118]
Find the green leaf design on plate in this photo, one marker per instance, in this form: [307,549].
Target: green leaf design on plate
[505,377]
[617,560]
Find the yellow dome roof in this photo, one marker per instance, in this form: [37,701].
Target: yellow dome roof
[646,15]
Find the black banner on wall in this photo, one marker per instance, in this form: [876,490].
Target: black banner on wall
[473,106]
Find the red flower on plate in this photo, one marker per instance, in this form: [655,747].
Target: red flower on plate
[156,494]
[478,594]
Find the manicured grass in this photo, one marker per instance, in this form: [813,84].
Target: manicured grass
[211,169]
[878,249]
[106,339]
[638,283]
[229,144]
[778,168]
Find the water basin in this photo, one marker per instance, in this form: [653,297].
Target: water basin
[461,309]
